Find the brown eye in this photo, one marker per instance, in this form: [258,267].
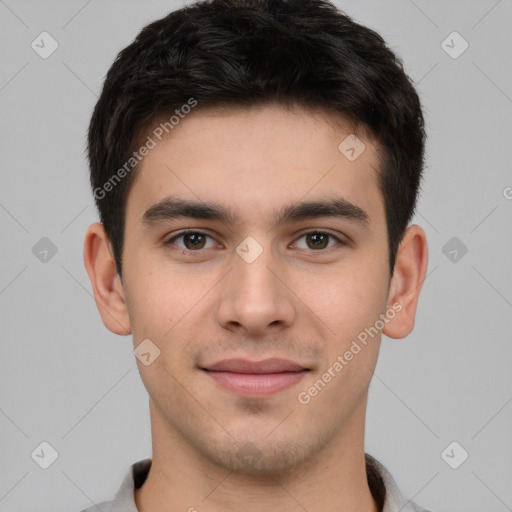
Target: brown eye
[192,240]
[317,240]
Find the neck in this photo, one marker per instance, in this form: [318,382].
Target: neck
[334,480]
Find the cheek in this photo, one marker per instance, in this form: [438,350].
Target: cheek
[151,304]
[348,300]
[165,308]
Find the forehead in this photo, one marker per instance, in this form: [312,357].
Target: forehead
[252,161]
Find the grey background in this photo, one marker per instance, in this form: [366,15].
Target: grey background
[66,380]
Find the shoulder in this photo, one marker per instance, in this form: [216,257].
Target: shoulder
[124,500]
[385,489]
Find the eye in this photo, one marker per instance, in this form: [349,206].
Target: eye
[197,240]
[192,240]
[317,240]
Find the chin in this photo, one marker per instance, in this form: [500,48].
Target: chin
[261,457]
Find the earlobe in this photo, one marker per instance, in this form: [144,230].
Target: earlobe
[107,287]
[407,281]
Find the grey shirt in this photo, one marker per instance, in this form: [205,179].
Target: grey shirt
[380,481]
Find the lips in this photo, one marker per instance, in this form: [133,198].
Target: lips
[252,379]
[261,367]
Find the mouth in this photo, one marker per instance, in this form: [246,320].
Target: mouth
[255,379]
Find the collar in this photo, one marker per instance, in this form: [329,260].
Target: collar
[381,483]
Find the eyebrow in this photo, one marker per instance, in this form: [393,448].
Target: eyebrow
[174,207]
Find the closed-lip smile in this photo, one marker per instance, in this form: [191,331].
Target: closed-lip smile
[255,379]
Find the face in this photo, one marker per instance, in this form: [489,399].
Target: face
[255,303]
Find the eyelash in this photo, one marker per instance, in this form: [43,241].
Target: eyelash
[171,240]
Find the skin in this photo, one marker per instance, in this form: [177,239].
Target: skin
[294,301]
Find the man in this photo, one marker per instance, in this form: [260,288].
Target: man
[256,166]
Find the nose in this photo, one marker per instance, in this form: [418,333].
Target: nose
[255,297]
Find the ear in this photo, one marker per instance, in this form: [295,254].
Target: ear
[106,283]
[408,276]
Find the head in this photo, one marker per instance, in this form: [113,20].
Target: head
[238,111]
[242,53]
